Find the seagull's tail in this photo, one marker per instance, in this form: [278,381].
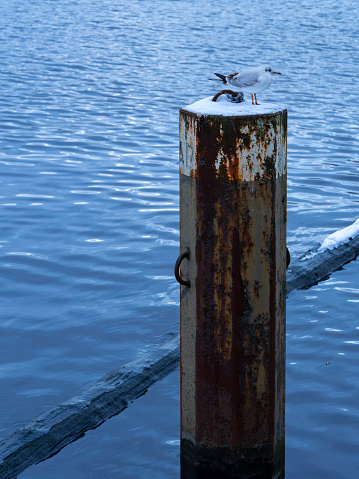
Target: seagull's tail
[221,78]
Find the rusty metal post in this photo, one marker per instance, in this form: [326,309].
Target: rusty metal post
[233,226]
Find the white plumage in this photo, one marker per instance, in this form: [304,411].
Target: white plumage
[253,80]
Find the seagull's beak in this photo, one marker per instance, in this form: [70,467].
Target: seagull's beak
[276,73]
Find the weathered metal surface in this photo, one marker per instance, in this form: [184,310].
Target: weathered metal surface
[248,148]
[233,221]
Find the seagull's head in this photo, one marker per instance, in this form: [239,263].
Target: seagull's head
[270,70]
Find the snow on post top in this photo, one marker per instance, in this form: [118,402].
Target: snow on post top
[225,107]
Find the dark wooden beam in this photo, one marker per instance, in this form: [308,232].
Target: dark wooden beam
[316,265]
[53,430]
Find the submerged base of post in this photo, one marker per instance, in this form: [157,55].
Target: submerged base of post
[226,463]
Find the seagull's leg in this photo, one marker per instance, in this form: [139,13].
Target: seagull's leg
[255,96]
[252,99]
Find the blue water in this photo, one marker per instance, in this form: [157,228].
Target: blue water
[89,100]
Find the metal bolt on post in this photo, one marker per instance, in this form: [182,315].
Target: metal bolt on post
[233,175]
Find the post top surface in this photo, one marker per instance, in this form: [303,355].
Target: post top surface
[224,107]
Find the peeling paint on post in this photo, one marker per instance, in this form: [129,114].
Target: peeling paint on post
[233,223]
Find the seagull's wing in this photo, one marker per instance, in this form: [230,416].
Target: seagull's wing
[232,75]
[247,78]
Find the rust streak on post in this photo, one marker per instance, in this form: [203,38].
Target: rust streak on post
[233,220]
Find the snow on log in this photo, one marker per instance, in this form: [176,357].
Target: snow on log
[53,430]
[337,249]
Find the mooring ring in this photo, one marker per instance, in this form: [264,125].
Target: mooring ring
[288,257]
[180,258]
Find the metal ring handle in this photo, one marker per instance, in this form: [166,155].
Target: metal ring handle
[288,257]
[180,258]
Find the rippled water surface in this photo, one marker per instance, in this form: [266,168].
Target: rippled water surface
[89,99]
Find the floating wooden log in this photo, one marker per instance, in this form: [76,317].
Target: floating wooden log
[315,266]
[67,422]
[53,430]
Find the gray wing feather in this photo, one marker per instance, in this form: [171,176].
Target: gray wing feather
[248,78]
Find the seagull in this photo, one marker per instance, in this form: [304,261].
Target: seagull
[253,80]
